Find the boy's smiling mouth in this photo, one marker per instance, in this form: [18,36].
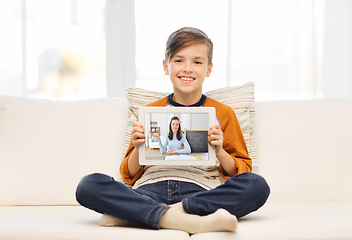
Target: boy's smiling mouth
[186,79]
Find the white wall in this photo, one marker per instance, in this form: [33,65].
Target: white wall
[11,48]
[120,47]
[337,65]
[199,121]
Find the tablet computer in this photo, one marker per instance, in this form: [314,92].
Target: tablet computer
[160,123]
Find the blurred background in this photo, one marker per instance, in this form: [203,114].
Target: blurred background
[80,49]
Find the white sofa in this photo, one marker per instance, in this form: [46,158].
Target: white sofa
[46,147]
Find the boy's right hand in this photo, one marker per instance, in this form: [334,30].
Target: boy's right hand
[137,134]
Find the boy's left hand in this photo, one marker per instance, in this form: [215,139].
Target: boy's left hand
[216,138]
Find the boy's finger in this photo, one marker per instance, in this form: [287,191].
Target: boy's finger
[138,135]
[215,126]
[139,140]
[214,132]
[138,124]
[215,138]
[137,129]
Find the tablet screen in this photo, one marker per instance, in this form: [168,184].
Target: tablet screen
[176,136]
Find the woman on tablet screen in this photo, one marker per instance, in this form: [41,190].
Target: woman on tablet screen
[174,139]
[183,197]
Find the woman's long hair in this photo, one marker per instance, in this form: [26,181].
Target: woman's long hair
[171,134]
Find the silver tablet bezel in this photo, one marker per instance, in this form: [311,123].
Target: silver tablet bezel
[142,149]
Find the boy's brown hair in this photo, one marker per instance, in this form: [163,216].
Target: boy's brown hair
[185,37]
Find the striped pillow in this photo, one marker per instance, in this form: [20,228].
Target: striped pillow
[239,98]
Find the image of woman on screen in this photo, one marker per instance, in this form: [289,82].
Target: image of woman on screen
[174,139]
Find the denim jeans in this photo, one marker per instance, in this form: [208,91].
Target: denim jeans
[240,195]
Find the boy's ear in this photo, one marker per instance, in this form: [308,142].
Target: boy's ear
[210,68]
[166,68]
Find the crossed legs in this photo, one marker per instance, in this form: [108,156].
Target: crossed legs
[200,212]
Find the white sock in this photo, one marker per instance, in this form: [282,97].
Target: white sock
[177,218]
[110,221]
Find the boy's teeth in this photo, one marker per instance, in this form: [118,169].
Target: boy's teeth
[186,78]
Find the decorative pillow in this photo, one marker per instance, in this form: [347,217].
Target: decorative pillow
[239,98]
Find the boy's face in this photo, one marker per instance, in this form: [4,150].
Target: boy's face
[188,69]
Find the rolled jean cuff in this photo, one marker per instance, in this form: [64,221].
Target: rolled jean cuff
[163,208]
[185,205]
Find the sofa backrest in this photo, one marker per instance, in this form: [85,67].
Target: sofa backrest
[46,147]
[304,149]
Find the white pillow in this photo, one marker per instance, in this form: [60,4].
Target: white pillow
[46,147]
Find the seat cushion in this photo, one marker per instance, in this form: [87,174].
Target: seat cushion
[274,221]
[69,222]
[292,221]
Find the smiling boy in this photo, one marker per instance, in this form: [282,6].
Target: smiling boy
[188,198]
[187,70]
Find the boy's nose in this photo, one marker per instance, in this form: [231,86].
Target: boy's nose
[187,67]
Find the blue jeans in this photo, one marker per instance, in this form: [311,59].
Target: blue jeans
[240,195]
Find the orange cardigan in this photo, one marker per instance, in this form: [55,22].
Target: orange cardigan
[234,143]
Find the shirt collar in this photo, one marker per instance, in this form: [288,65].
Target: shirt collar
[176,104]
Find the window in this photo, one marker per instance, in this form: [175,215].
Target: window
[11,48]
[155,25]
[65,49]
[76,49]
[276,44]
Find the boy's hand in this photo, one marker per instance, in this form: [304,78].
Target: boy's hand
[216,138]
[137,134]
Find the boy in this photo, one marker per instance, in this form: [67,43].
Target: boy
[188,198]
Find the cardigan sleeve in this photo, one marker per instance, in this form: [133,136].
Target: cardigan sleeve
[125,174]
[234,143]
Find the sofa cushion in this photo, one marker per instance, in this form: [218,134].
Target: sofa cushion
[274,221]
[46,147]
[292,221]
[239,98]
[69,222]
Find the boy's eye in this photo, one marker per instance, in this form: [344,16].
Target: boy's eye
[178,60]
[197,62]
